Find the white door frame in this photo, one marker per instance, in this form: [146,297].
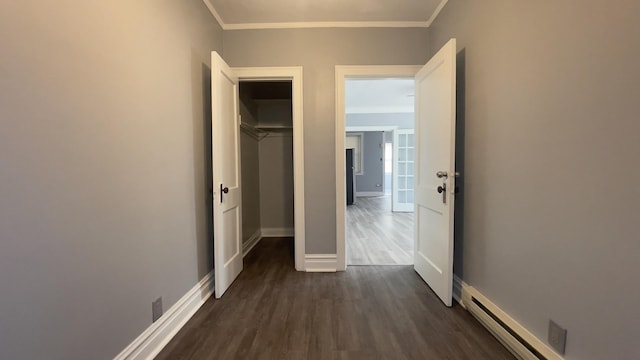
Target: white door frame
[370,128]
[294,74]
[342,73]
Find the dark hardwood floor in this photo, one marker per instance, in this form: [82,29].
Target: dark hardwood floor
[367,312]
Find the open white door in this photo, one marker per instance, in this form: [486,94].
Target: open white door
[403,170]
[435,175]
[227,214]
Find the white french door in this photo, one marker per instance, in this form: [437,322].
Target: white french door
[435,176]
[403,170]
[227,195]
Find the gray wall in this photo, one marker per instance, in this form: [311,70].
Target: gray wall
[105,169]
[401,120]
[372,178]
[551,195]
[319,50]
[276,181]
[250,168]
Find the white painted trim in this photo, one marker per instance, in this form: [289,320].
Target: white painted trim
[157,335]
[294,74]
[251,242]
[342,72]
[277,232]
[381,110]
[324,24]
[457,289]
[437,12]
[327,24]
[321,263]
[369,193]
[370,128]
[501,334]
[215,14]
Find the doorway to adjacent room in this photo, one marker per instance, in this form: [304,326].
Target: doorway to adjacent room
[379,121]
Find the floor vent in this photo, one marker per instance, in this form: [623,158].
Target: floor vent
[511,334]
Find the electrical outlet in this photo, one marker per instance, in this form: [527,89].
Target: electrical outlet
[156,309]
[557,337]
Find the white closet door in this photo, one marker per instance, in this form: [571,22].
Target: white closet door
[227,201]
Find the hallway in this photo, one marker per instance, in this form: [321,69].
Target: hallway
[373,312]
[378,236]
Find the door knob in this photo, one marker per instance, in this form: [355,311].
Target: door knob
[223,190]
[443,190]
[442,174]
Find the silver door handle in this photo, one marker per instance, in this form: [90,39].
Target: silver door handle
[442,174]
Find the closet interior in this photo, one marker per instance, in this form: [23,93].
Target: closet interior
[266,160]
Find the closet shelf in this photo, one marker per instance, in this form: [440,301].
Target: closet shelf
[259,132]
[272,127]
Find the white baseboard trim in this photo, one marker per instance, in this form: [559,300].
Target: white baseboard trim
[277,232]
[155,337]
[457,289]
[508,340]
[369,193]
[321,263]
[251,242]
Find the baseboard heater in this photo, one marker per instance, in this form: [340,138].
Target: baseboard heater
[512,335]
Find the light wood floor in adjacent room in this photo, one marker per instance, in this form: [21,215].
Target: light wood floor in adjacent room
[366,312]
[377,236]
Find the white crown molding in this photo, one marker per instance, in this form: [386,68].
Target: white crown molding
[437,12]
[214,12]
[324,24]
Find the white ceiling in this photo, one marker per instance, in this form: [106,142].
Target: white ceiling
[375,96]
[265,14]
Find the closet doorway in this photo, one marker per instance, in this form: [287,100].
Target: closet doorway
[266,146]
[272,155]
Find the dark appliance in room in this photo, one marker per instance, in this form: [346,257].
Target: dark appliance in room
[350,178]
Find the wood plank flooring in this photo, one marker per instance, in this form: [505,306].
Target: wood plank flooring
[366,312]
[376,235]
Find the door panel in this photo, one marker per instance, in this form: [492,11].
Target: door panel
[227,214]
[435,129]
